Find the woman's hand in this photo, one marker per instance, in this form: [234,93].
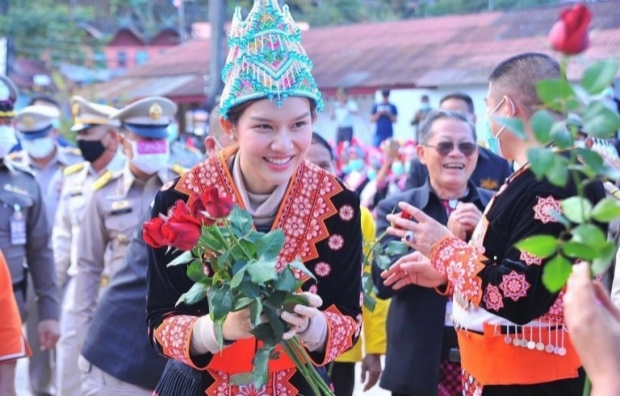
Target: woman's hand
[594,326]
[464,220]
[413,269]
[421,233]
[237,325]
[299,319]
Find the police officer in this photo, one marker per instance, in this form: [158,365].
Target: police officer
[120,200]
[24,238]
[181,152]
[97,139]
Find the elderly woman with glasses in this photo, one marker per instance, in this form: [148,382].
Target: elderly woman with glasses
[422,352]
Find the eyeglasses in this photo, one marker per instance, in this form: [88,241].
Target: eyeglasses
[445,148]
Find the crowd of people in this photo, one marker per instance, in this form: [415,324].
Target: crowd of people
[463,312]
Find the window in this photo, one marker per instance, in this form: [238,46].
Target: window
[121,57]
[141,57]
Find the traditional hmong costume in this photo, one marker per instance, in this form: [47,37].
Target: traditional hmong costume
[511,330]
[320,218]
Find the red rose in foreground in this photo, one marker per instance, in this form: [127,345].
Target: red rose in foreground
[569,35]
[152,233]
[182,230]
[218,206]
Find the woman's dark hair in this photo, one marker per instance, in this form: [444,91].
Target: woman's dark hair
[236,112]
[318,139]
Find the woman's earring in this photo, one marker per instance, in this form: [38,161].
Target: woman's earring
[233,137]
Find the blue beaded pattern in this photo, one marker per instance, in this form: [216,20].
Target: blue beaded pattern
[266,59]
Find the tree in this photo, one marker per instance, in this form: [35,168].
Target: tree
[44,29]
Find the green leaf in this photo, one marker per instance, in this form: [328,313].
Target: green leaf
[270,245]
[542,123]
[237,279]
[249,289]
[514,125]
[276,299]
[557,174]
[224,260]
[256,309]
[262,270]
[241,303]
[592,159]
[220,302]
[383,262]
[589,234]
[274,320]
[541,246]
[576,209]
[241,221]
[299,266]
[195,271]
[261,366]
[557,94]
[600,75]
[600,121]
[578,250]
[196,293]
[253,236]
[605,257]
[396,248]
[561,137]
[541,160]
[286,281]
[209,241]
[294,299]
[556,273]
[183,258]
[606,210]
[369,302]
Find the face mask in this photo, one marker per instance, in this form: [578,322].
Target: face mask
[356,165]
[150,156]
[173,132]
[372,174]
[8,140]
[493,141]
[91,149]
[56,123]
[425,107]
[38,148]
[398,168]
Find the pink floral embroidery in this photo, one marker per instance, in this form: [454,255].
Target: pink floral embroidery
[313,289]
[341,331]
[471,387]
[545,209]
[529,259]
[556,312]
[493,298]
[322,269]
[514,285]
[346,213]
[335,242]
[174,336]
[278,384]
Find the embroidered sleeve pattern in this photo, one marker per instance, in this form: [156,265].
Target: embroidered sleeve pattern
[341,330]
[461,263]
[174,335]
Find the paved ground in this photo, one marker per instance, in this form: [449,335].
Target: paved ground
[22,387]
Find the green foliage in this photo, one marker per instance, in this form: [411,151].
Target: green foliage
[599,75]
[542,246]
[556,273]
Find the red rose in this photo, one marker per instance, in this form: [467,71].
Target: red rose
[569,35]
[218,206]
[200,212]
[152,233]
[183,235]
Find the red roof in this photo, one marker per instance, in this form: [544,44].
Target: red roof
[428,52]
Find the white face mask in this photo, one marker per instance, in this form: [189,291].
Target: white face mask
[38,148]
[150,156]
[8,140]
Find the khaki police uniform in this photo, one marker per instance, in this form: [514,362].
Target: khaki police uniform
[76,192]
[117,207]
[25,241]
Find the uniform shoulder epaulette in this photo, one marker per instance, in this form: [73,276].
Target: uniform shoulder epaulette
[69,170]
[105,179]
[178,169]
[20,167]
[15,156]
[612,190]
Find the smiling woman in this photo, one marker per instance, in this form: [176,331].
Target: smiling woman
[268,106]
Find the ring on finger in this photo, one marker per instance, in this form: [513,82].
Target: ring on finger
[409,236]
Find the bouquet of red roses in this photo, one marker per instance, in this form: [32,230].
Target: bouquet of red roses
[235,267]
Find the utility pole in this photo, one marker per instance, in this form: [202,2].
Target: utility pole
[214,84]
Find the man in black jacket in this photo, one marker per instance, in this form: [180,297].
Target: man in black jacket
[491,170]
[419,332]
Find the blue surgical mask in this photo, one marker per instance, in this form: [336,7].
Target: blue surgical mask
[425,107]
[56,123]
[372,174]
[493,141]
[173,132]
[398,168]
[356,165]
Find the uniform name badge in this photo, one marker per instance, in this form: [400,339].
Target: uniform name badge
[18,226]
